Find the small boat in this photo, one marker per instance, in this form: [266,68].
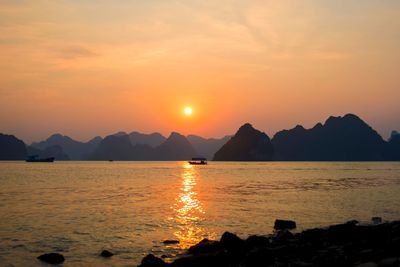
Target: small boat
[198,161]
[35,158]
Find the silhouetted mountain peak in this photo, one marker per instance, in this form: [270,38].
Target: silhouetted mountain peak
[11,148]
[54,138]
[248,144]
[345,138]
[394,135]
[393,147]
[175,136]
[120,136]
[247,127]
[317,126]
[332,120]
[206,147]
[75,150]
[176,139]
[351,116]
[120,133]
[96,140]
[195,137]
[153,139]
[340,138]
[299,128]
[150,134]
[116,147]
[120,147]
[176,147]
[348,118]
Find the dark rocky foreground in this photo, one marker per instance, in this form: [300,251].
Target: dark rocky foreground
[349,244]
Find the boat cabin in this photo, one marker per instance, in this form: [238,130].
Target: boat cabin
[198,161]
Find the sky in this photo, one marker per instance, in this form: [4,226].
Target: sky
[94,67]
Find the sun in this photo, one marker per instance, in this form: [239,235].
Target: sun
[188,111]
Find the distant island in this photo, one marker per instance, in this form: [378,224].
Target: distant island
[118,146]
[346,138]
[248,144]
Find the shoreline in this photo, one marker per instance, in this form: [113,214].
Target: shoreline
[348,244]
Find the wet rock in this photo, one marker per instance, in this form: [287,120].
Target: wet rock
[205,246]
[255,241]
[353,222]
[52,258]
[396,243]
[366,254]
[347,244]
[377,236]
[170,242]
[306,252]
[352,252]
[376,220]
[395,226]
[389,262]
[152,261]
[301,264]
[215,259]
[367,264]
[283,235]
[284,224]
[341,233]
[313,237]
[258,257]
[232,242]
[106,254]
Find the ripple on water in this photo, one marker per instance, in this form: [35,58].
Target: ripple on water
[131,207]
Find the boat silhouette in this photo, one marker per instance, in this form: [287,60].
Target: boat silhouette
[35,158]
[198,161]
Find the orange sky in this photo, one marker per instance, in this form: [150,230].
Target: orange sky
[86,68]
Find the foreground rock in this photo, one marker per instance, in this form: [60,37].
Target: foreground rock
[284,224]
[348,244]
[170,242]
[52,258]
[106,254]
[152,261]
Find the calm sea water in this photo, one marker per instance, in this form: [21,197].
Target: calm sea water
[80,208]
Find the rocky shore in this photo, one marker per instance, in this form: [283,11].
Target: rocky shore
[348,244]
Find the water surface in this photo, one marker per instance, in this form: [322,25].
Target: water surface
[80,208]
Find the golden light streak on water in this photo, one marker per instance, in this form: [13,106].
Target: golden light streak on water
[130,208]
[189,210]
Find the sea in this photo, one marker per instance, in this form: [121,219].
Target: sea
[80,208]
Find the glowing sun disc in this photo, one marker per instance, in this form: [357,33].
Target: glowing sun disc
[188,111]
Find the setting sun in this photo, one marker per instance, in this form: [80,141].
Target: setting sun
[188,111]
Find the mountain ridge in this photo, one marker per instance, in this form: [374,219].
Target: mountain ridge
[248,144]
[119,147]
[346,138]
[339,138]
[75,150]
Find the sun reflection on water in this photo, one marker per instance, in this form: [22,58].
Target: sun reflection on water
[189,212]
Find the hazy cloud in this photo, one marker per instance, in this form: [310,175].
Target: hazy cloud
[74,52]
[290,59]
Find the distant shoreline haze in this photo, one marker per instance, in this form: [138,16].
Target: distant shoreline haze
[346,138]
